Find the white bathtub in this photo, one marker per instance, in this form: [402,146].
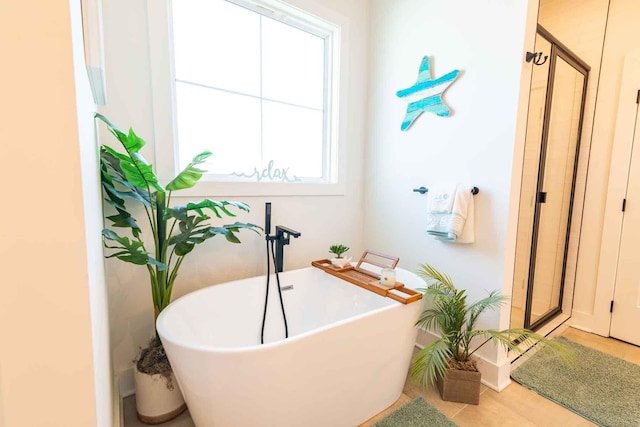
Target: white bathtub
[346,358]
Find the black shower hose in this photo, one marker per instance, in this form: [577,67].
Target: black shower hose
[266,298]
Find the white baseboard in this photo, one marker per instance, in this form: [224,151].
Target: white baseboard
[123,387]
[582,320]
[116,399]
[555,326]
[126,385]
[582,328]
[495,376]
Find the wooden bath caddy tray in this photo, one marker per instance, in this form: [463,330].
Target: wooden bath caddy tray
[369,280]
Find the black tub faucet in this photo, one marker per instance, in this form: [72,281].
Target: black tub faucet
[283,234]
[282,237]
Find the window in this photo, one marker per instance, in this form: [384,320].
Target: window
[256,85]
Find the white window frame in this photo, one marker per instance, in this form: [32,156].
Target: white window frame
[164,114]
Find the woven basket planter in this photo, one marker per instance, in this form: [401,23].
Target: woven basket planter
[460,386]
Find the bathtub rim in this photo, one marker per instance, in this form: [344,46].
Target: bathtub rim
[258,347]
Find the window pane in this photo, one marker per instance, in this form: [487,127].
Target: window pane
[292,138]
[250,89]
[226,124]
[217,44]
[293,65]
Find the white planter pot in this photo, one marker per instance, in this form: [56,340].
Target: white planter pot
[155,403]
[340,262]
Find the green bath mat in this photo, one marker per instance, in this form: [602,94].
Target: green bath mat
[417,413]
[599,387]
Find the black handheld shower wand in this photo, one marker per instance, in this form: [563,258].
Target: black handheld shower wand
[267,219]
[271,252]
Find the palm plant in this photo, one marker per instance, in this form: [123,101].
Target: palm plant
[173,231]
[455,320]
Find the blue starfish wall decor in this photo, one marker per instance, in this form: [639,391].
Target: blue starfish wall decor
[426,94]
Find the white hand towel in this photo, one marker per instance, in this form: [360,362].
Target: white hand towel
[440,198]
[448,213]
[440,207]
[468,231]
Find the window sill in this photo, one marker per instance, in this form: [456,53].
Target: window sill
[211,189]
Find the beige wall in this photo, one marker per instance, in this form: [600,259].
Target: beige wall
[530,164]
[46,356]
[591,307]
[579,25]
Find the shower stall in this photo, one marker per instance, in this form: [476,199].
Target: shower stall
[552,146]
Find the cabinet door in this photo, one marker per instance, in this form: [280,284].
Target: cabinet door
[625,317]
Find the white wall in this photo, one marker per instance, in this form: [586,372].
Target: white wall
[47,362]
[322,220]
[93,219]
[475,146]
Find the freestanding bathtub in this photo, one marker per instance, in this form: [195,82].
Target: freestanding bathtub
[346,358]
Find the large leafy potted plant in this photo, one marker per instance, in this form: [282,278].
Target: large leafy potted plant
[447,362]
[171,233]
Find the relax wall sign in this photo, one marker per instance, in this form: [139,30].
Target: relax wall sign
[270,173]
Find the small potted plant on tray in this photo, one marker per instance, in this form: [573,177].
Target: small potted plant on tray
[338,260]
[172,233]
[447,362]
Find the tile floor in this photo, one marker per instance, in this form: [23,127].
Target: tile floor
[514,406]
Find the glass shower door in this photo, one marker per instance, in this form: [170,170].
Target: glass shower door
[555,191]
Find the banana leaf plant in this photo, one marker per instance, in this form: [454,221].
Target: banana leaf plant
[454,320]
[174,231]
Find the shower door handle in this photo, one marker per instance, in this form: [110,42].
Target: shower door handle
[542,197]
